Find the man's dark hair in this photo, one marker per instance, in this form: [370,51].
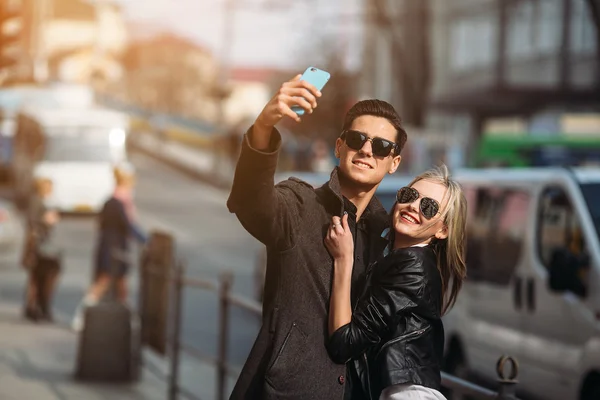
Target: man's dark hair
[377,108]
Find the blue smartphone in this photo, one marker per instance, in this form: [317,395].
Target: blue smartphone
[316,77]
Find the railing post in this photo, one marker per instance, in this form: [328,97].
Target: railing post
[226,280]
[507,385]
[178,282]
[142,296]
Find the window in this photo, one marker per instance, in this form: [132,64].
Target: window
[583,32]
[77,145]
[473,42]
[496,228]
[591,194]
[561,245]
[534,28]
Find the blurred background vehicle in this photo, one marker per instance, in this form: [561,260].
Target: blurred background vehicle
[76,148]
[533,285]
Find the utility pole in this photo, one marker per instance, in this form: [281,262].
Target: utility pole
[42,10]
[225,67]
[410,47]
[221,89]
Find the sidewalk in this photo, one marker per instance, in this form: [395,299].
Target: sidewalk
[37,362]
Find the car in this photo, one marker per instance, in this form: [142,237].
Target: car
[386,193]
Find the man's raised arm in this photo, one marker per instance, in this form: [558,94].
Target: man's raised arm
[263,209]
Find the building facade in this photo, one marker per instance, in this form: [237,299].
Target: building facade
[528,63]
[70,40]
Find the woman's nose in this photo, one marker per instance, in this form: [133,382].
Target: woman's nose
[415,205]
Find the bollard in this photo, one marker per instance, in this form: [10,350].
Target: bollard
[176,332]
[507,389]
[157,264]
[224,288]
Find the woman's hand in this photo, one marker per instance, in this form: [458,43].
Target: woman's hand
[340,245]
[339,241]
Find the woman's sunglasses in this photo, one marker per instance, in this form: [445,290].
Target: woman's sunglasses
[356,140]
[429,207]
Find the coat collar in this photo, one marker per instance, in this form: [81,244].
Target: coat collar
[375,213]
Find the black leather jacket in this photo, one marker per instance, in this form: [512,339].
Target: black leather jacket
[396,334]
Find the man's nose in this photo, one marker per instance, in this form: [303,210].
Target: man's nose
[367,148]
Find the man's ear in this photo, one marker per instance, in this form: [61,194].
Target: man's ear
[395,163]
[338,145]
[442,233]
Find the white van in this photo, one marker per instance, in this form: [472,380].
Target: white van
[76,148]
[533,287]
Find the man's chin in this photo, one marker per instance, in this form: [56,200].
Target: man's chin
[363,178]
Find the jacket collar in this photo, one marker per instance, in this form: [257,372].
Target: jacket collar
[375,214]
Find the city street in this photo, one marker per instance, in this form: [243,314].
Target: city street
[209,239]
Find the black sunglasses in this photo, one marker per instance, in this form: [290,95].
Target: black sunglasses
[356,140]
[429,207]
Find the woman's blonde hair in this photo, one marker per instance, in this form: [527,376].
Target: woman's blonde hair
[451,251]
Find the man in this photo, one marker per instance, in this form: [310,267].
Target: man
[289,359]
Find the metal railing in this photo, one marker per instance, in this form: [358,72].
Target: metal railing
[506,384]
[174,275]
[176,345]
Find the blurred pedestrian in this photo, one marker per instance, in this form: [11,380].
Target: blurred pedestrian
[116,226]
[395,333]
[41,254]
[322,159]
[289,358]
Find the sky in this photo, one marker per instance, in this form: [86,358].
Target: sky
[282,34]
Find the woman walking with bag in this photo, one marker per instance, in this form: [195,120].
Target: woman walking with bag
[116,226]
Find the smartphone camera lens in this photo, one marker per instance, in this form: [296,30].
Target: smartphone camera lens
[313,69]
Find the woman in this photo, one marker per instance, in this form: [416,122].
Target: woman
[395,332]
[42,256]
[116,226]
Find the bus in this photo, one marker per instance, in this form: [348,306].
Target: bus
[75,148]
[538,151]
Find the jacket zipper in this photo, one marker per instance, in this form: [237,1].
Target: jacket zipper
[403,337]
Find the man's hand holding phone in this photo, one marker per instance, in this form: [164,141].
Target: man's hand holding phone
[295,92]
